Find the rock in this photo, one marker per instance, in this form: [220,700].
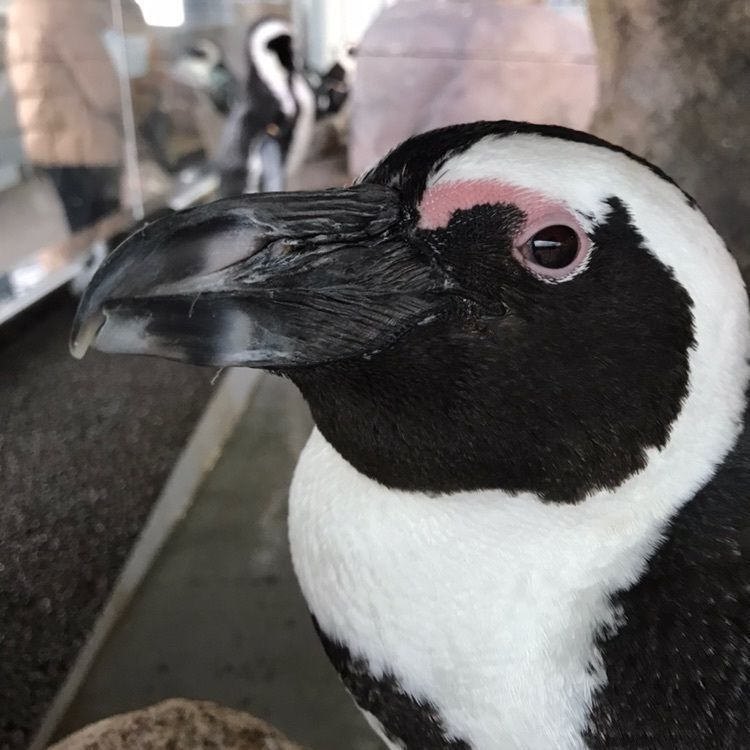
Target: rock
[675,90]
[179,724]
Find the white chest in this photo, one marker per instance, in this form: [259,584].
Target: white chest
[485,605]
[303,127]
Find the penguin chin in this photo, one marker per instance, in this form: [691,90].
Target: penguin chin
[271,281]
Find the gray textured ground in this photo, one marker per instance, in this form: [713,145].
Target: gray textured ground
[85,448]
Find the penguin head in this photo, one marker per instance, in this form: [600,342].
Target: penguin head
[206,51]
[197,63]
[269,42]
[492,306]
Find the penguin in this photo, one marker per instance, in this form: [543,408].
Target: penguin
[203,66]
[332,87]
[269,130]
[522,520]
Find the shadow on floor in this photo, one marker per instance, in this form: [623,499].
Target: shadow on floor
[220,616]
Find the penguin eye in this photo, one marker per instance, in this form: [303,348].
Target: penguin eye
[552,247]
[553,251]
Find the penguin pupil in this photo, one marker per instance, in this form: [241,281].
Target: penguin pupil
[554,247]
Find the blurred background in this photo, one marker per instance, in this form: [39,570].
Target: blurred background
[143,545]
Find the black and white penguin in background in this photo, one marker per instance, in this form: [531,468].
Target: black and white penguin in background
[332,87]
[202,66]
[523,520]
[268,131]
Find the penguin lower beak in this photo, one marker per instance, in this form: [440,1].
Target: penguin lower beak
[272,281]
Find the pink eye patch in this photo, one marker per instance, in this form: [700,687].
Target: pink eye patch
[545,220]
[439,203]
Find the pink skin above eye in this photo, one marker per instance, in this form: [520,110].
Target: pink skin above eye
[440,202]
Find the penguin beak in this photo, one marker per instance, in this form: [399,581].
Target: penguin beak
[271,281]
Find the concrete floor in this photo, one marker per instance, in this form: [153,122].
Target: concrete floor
[220,616]
[31,215]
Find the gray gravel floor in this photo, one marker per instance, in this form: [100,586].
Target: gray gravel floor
[85,448]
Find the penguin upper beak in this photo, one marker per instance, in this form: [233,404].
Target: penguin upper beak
[275,280]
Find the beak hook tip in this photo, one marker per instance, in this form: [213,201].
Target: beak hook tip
[84,334]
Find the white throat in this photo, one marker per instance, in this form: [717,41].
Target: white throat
[487,604]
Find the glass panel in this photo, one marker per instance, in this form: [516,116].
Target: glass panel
[110,112]
[115,111]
